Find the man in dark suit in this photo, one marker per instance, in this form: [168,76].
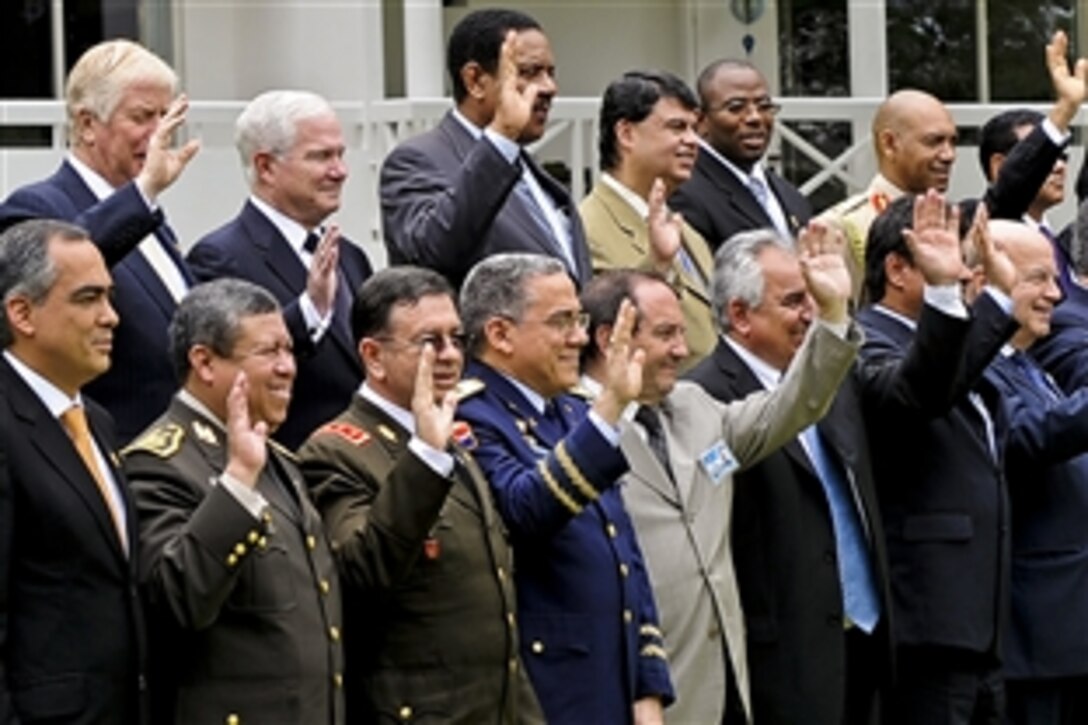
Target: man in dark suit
[936,462]
[730,189]
[122,114]
[292,149]
[238,576]
[808,543]
[589,631]
[422,550]
[998,137]
[1046,463]
[467,189]
[72,647]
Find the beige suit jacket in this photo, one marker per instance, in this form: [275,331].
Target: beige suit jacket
[684,527]
[619,238]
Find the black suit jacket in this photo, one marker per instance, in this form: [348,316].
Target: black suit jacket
[250,247]
[72,645]
[140,381]
[942,493]
[718,205]
[448,201]
[785,557]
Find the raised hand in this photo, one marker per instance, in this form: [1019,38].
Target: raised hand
[434,419]
[666,228]
[822,250]
[246,441]
[515,105]
[164,163]
[934,240]
[623,367]
[321,279]
[1069,87]
[996,265]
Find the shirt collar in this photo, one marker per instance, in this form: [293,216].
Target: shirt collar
[637,202]
[889,312]
[55,400]
[403,417]
[881,185]
[745,177]
[193,402]
[94,180]
[292,231]
[535,399]
[767,375]
[475,131]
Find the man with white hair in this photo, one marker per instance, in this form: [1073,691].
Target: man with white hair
[123,109]
[292,150]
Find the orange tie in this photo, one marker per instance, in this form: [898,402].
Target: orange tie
[74,421]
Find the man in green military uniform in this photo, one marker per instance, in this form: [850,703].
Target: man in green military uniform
[235,563]
[421,550]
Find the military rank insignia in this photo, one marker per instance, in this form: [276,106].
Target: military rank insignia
[462,435]
[432,548]
[352,434]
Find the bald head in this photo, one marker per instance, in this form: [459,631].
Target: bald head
[915,141]
[1036,291]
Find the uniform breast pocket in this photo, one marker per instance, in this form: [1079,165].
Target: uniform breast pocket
[266,583]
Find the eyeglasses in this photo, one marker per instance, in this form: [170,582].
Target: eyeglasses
[564,322]
[736,106]
[438,341]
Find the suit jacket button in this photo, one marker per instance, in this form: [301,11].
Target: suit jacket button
[537,647]
[405,713]
[233,719]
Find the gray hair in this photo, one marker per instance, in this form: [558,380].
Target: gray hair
[100,76]
[270,123]
[496,287]
[26,269]
[737,274]
[211,314]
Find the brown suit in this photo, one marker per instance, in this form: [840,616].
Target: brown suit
[428,578]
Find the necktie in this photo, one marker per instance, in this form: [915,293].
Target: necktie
[1035,374]
[655,437]
[74,421]
[763,196]
[860,600]
[310,245]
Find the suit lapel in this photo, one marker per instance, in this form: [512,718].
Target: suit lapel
[644,466]
[635,229]
[740,198]
[54,446]
[284,265]
[394,440]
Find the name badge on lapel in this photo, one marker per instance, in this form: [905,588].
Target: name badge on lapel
[718,462]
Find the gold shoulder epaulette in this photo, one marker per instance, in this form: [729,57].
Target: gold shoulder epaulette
[468,387]
[163,441]
[283,450]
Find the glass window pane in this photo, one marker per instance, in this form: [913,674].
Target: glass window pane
[1018,31]
[931,46]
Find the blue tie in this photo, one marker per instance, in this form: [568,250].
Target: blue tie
[861,603]
[1037,377]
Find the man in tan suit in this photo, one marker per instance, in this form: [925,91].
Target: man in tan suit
[648,147]
[681,467]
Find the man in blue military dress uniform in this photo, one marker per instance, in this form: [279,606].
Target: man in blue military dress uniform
[588,623]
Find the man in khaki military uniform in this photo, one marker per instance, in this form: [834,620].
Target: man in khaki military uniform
[914,139]
[235,564]
[422,551]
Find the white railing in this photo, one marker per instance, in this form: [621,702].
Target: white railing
[212,189]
